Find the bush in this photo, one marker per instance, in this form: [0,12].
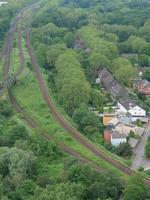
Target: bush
[124,149]
[147,149]
[5,109]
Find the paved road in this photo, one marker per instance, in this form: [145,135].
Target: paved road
[139,159]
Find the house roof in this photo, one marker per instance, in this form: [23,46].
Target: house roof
[127,103]
[115,89]
[114,121]
[136,108]
[117,135]
[108,81]
[125,129]
[107,119]
[144,119]
[143,86]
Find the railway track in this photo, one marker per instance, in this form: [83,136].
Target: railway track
[8,81]
[59,118]
[65,124]
[31,122]
[8,47]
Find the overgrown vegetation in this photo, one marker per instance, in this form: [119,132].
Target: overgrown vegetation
[147,148]
[73,40]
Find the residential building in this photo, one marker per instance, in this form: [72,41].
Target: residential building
[107,118]
[114,137]
[107,136]
[135,111]
[142,87]
[117,138]
[126,129]
[126,104]
[109,83]
[113,123]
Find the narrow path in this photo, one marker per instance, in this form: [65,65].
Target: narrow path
[139,158]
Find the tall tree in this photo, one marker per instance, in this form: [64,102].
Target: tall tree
[73,88]
[124,71]
[136,189]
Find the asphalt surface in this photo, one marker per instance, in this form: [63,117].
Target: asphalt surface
[139,158]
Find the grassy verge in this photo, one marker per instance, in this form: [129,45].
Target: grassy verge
[29,97]
[69,119]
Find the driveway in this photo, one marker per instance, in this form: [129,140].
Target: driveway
[139,159]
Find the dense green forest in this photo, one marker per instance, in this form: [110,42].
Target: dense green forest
[7,13]
[25,171]
[73,40]
[98,34]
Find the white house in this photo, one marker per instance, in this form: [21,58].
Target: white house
[121,109]
[117,138]
[135,111]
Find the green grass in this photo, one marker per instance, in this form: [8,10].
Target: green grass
[28,95]
[52,170]
[1,70]
[69,119]
[14,62]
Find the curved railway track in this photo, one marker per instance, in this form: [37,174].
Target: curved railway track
[33,124]
[8,47]
[65,124]
[58,117]
[27,118]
